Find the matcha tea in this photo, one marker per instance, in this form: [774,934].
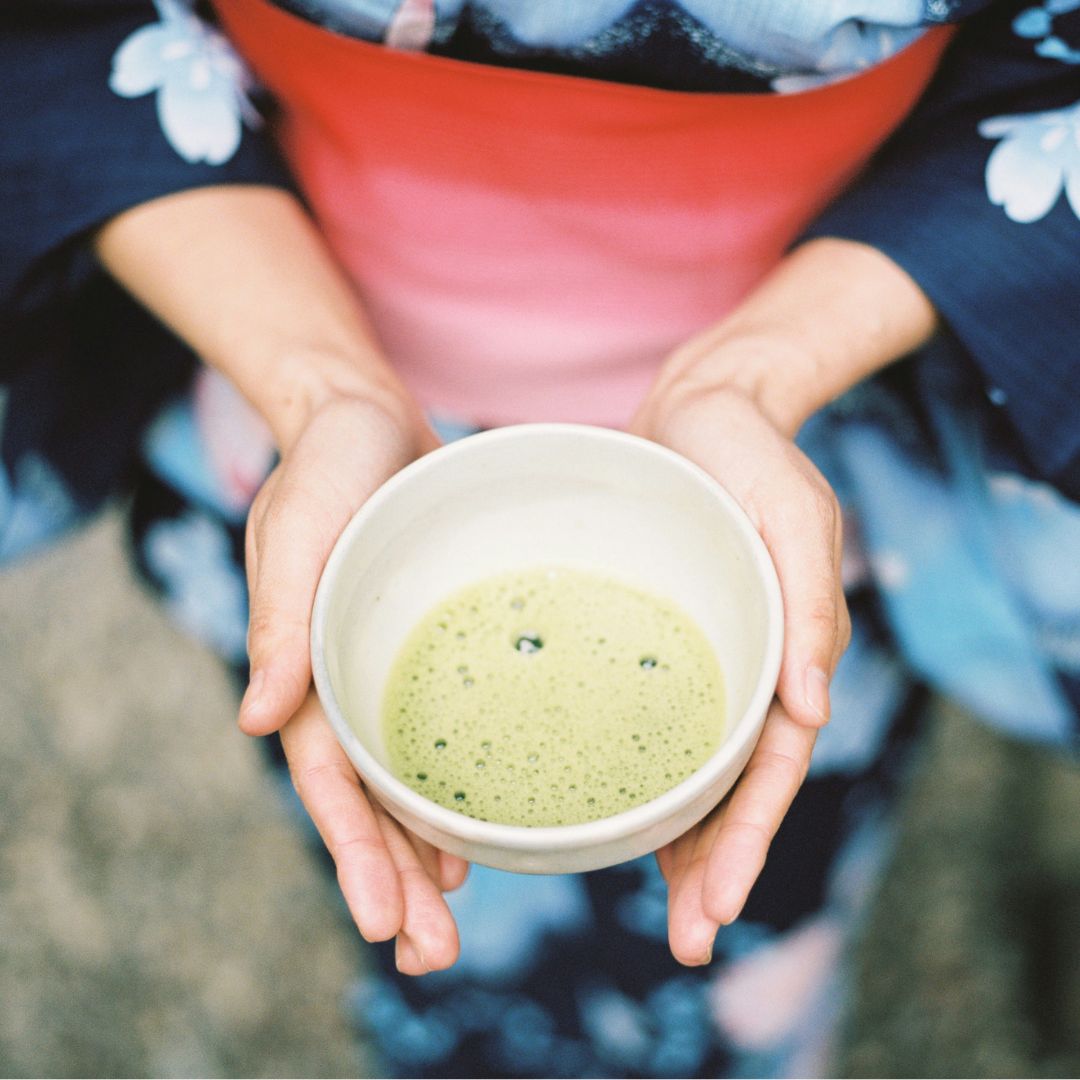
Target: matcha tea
[551,697]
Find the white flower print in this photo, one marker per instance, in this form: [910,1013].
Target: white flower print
[851,48]
[202,85]
[1038,157]
[412,26]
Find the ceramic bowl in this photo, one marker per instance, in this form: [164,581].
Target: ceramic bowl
[546,494]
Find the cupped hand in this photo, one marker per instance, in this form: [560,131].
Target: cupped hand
[711,869]
[392,880]
[346,450]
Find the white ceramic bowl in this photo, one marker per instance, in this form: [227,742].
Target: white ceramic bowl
[546,494]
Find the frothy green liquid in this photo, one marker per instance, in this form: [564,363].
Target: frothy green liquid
[551,697]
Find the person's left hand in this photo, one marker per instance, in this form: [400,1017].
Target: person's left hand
[242,275]
[731,399]
[711,869]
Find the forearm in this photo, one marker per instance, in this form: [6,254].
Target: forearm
[242,276]
[833,313]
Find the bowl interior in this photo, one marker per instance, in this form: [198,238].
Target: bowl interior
[540,495]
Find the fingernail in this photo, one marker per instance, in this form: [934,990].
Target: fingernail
[707,957]
[817,693]
[253,693]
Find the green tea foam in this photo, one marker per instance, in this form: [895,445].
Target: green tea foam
[551,697]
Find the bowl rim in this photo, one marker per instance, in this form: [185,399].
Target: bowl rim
[535,839]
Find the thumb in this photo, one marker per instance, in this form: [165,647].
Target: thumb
[280,670]
[338,461]
[288,545]
[806,551]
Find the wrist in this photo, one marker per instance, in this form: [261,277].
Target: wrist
[764,368]
[301,383]
[241,274]
[832,314]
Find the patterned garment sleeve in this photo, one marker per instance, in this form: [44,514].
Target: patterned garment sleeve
[107,105]
[977,197]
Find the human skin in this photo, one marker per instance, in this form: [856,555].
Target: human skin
[241,274]
[732,399]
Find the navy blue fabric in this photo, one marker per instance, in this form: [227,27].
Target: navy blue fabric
[1009,291]
[84,368]
[74,153]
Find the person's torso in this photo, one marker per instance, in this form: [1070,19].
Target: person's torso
[530,244]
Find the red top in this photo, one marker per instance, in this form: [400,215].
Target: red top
[530,246]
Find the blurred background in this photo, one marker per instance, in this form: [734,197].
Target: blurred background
[161,913]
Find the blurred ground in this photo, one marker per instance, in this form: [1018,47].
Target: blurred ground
[970,965]
[159,915]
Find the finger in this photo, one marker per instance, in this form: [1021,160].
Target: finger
[291,546]
[691,931]
[330,789]
[680,852]
[748,822]
[428,855]
[408,959]
[452,871]
[843,615]
[446,870]
[428,940]
[843,632]
[803,536]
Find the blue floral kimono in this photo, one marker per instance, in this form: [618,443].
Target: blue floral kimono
[958,469]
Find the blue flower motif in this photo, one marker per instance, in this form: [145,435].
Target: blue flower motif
[409,1036]
[1038,157]
[504,919]
[1037,24]
[35,506]
[526,1035]
[667,1034]
[644,911]
[869,687]
[202,85]
[205,591]
[620,1029]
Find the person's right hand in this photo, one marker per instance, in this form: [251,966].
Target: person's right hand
[241,274]
[392,881]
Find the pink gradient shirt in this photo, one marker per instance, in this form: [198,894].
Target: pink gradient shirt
[531,246]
